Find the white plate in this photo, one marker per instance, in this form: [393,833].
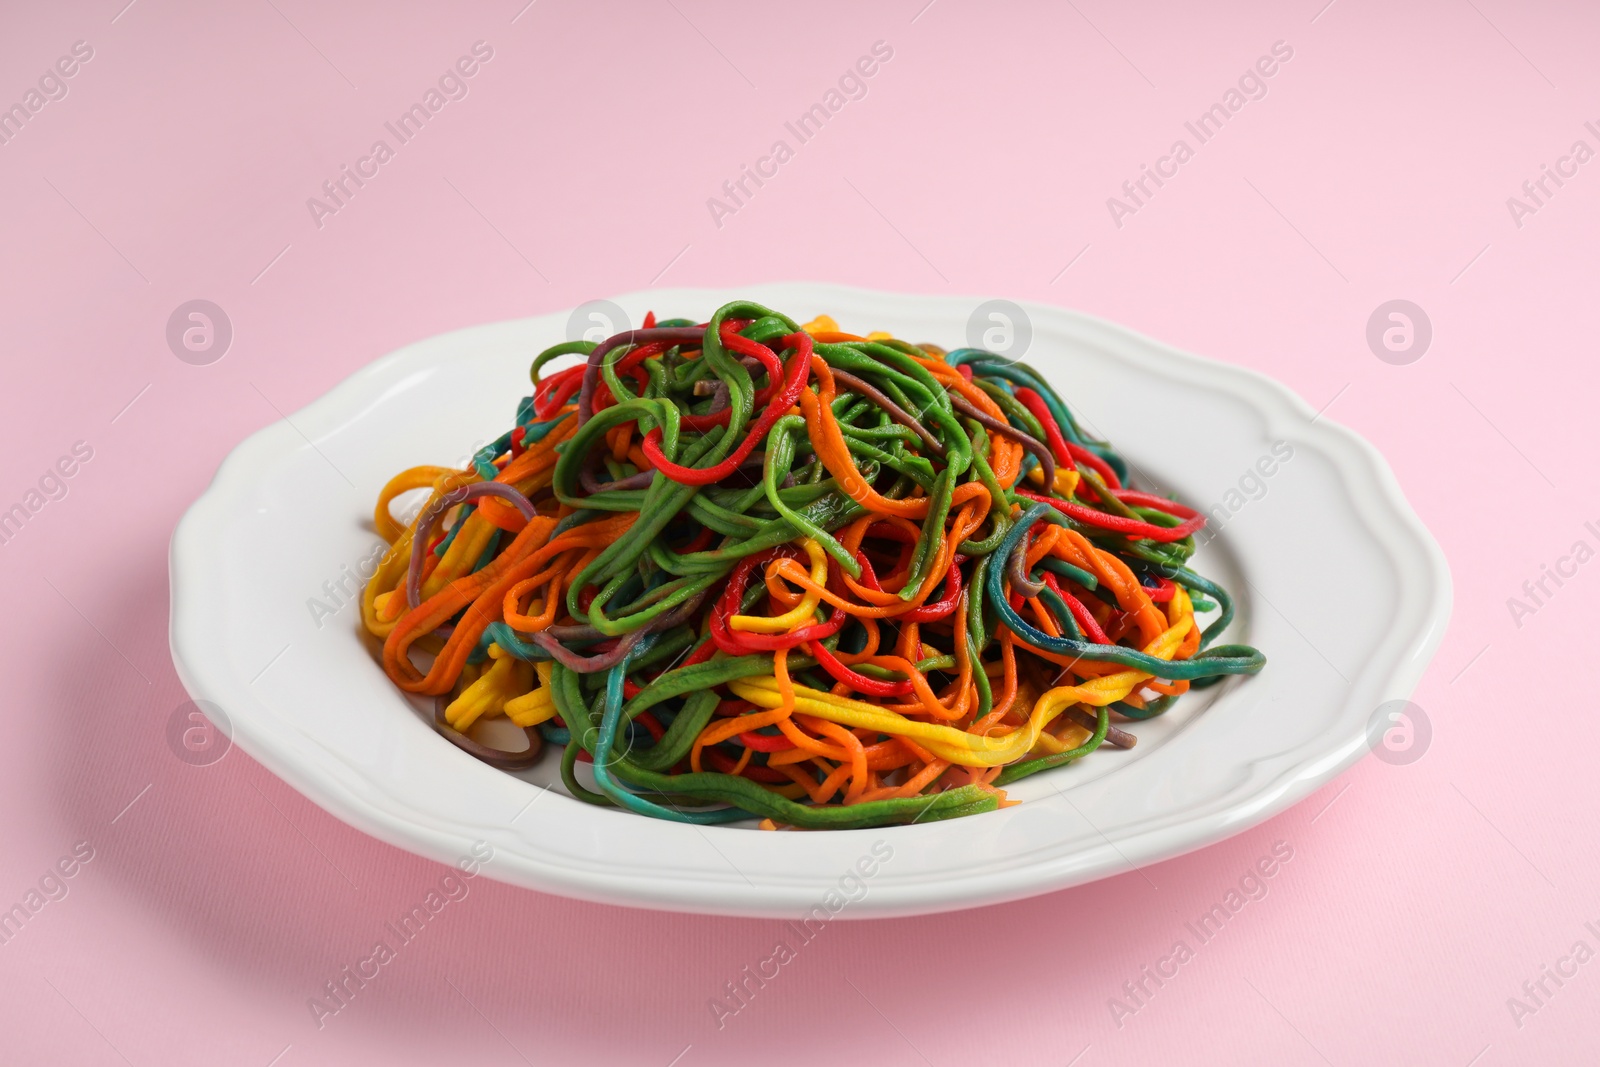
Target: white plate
[1349,630]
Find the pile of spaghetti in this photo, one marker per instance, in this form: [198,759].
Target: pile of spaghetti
[748,569]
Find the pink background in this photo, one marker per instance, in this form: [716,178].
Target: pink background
[1419,898]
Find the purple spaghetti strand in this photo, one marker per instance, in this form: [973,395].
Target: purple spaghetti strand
[604,661]
[591,371]
[431,517]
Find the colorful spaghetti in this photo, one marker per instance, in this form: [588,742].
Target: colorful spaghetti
[748,569]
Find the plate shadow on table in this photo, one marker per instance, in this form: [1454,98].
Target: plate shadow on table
[279,897]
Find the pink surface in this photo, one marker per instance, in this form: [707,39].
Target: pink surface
[1378,165]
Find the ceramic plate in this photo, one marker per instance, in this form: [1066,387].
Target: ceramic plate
[287,521]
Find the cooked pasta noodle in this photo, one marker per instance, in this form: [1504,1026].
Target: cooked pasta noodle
[749,569]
